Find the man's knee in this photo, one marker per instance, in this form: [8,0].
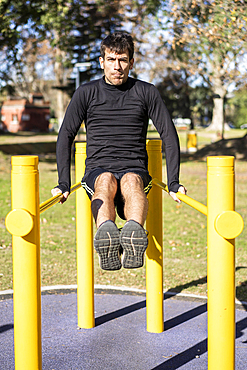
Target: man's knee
[106,182]
[131,181]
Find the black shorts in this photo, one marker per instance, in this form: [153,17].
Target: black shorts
[90,177]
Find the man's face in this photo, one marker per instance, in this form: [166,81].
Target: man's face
[116,67]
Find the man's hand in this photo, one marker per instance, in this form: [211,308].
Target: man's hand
[57,191]
[182,190]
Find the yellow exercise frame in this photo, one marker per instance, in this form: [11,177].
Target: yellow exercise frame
[223,226]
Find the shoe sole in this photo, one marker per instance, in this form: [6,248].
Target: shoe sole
[106,244]
[134,241]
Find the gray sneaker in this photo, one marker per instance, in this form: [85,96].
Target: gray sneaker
[134,241]
[107,244]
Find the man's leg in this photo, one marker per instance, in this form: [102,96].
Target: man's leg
[106,240]
[105,189]
[133,237]
[136,203]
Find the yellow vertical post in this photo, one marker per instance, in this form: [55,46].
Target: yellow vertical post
[23,223]
[191,141]
[84,243]
[221,266]
[154,254]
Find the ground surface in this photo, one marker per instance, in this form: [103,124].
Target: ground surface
[120,340]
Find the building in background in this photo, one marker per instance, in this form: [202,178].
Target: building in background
[26,115]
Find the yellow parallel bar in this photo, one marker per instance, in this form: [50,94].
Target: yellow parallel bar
[26,265]
[221,266]
[54,200]
[184,198]
[154,254]
[84,247]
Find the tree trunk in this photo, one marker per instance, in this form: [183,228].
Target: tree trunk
[60,77]
[60,107]
[219,92]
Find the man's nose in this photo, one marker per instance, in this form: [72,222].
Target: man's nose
[117,64]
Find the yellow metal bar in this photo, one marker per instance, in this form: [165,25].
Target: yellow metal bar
[184,198]
[54,200]
[221,266]
[26,263]
[154,254]
[84,242]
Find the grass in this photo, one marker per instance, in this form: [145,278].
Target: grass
[185,235]
[184,229]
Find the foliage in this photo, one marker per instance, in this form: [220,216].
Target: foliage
[238,113]
[208,38]
[183,100]
[72,27]
[175,91]
[205,38]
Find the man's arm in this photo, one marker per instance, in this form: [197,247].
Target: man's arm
[165,127]
[73,119]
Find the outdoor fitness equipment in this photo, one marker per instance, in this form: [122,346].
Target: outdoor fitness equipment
[223,226]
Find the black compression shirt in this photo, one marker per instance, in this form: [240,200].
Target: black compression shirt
[116,120]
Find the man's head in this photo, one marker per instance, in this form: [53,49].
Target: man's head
[116,59]
[118,42]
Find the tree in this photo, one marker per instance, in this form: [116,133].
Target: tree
[208,40]
[237,107]
[183,100]
[175,91]
[73,29]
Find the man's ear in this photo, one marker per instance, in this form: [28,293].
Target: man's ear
[131,63]
[101,61]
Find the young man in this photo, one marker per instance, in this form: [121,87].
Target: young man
[116,110]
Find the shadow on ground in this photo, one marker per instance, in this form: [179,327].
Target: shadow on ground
[236,147]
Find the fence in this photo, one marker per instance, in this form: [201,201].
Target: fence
[223,226]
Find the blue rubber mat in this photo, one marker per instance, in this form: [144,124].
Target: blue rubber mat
[120,340]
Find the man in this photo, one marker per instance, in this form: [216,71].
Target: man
[116,110]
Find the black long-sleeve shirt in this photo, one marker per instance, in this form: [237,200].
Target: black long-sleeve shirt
[116,120]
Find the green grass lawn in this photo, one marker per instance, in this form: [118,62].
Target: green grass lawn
[184,235]
[204,137]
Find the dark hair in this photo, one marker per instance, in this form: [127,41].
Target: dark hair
[118,42]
